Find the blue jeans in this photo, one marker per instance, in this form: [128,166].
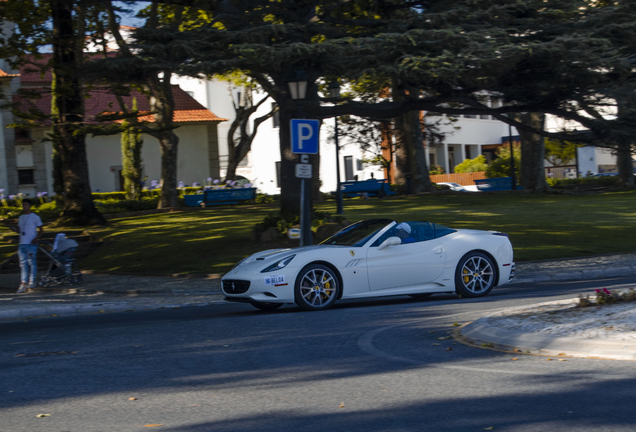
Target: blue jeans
[27,254]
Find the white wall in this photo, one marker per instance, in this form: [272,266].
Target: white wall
[104,159]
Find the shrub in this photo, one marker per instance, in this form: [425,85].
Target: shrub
[114,205]
[10,212]
[599,181]
[437,169]
[48,211]
[472,165]
[192,190]
[399,188]
[283,222]
[605,296]
[102,196]
[265,199]
[500,167]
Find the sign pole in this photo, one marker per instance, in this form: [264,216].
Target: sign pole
[303,239]
[305,141]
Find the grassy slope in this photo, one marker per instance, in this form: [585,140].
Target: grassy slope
[540,227]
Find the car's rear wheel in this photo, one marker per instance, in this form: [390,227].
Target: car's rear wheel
[316,288]
[475,275]
[266,306]
[420,296]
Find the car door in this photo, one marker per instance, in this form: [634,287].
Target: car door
[403,265]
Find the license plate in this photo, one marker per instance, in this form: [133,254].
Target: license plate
[275,280]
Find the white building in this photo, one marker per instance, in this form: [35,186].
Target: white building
[26,153]
[476,135]
[591,160]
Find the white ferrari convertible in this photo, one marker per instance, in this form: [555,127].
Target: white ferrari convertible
[373,258]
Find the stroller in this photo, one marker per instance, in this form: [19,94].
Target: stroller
[62,265]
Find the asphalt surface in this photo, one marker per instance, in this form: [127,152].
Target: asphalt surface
[375,365]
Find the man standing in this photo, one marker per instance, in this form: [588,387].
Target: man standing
[30,230]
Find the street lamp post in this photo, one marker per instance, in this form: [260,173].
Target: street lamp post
[298,90]
[334,93]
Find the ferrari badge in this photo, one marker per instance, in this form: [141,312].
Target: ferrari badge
[353,253]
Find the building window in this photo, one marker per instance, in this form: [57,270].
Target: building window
[348,165]
[22,136]
[25,177]
[470,116]
[276,116]
[277,174]
[359,166]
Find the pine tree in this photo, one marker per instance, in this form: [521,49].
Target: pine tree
[66,36]
[131,143]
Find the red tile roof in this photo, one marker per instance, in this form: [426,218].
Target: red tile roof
[187,109]
[100,101]
[32,73]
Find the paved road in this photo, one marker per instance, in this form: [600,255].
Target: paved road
[376,365]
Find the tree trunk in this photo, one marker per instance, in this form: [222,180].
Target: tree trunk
[289,184]
[233,159]
[625,163]
[532,174]
[412,158]
[162,104]
[623,143]
[69,102]
[169,143]
[420,168]
[131,143]
[401,154]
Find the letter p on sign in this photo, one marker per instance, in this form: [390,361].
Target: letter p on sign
[305,136]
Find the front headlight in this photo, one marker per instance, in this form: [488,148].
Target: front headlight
[279,264]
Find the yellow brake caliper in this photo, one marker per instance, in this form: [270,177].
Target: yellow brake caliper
[466,278]
[326,284]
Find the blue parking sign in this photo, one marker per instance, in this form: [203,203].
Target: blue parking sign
[305,135]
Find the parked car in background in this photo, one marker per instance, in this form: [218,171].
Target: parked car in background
[459,188]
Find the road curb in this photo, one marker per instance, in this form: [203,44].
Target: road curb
[129,293]
[93,308]
[481,333]
[576,275]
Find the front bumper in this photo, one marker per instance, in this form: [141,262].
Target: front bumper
[251,286]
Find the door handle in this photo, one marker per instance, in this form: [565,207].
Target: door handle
[439,251]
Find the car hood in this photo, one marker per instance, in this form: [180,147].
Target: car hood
[271,256]
[475,232]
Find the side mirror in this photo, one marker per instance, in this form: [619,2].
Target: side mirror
[391,241]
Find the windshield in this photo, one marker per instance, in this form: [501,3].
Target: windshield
[358,234]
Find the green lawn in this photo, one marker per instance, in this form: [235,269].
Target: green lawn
[212,240]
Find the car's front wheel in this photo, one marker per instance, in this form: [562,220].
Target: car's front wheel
[475,275]
[266,306]
[316,288]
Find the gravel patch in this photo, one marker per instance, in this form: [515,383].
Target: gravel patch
[565,319]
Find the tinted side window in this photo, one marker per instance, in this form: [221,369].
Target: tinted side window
[441,230]
[420,231]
